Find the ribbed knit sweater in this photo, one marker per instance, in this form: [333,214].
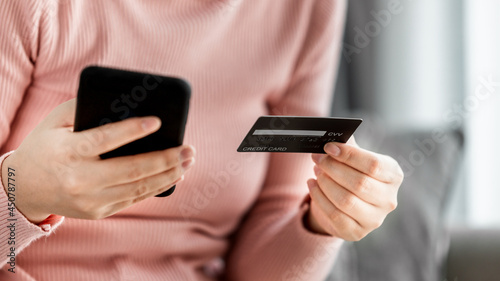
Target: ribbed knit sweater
[243,59]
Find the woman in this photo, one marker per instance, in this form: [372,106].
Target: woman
[233,216]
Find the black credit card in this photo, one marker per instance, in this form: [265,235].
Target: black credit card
[297,133]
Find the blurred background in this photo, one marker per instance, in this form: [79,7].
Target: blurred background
[425,77]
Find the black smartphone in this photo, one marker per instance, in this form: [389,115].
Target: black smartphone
[108,95]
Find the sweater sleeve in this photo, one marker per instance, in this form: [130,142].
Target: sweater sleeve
[19,25]
[272,243]
[18,52]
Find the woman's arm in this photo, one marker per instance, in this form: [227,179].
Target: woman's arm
[47,173]
[19,22]
[273,242]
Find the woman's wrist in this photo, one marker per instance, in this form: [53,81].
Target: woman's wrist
[310,222]
[6,167]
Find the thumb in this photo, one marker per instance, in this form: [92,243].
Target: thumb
[63,115]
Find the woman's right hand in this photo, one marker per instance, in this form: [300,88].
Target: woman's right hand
[59,171]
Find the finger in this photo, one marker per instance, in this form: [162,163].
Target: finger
[63,115]
[115,207]
[365,214]
[110,136]
[143,187]
[126,169]
[332,219]
[380,167]
[358,183]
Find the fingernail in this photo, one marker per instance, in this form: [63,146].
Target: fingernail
[332,149]
[318,157]
[311,184]
[187,164]
[150,124]
[179,180]
[186,153]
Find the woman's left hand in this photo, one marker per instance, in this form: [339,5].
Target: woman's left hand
[354,191]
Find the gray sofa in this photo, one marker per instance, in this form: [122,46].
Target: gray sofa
[474,254]
[415,243]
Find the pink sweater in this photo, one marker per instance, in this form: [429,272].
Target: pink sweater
[243,58]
